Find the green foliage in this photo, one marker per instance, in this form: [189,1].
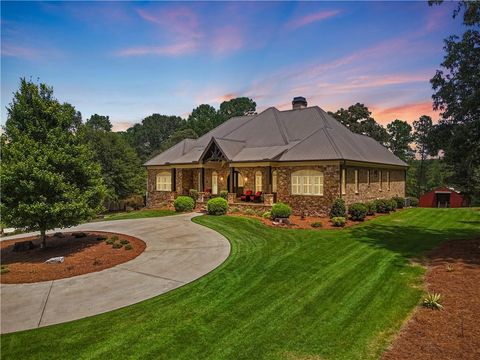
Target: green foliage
[203,119]
[122,170]
[114,238]
[249,211]
[235,210]
[217,206]
[110,241]
[128,247]
[135,202]
[392,204]
[316,224]
[433,301]
[49,179]
[4,269]
[124,242]
[357,211]
[183,203]
[400,137]
[400,201]
[176,137]
[224,194]
[382,206]
[117,245]
[281,210]
[339,221]
[359,120]
[338,208]
[237,107]
[193,193]
[371,208]
[412,201]
[267,215]
[99,123]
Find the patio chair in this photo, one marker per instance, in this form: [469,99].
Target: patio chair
[257,197]
[247,196]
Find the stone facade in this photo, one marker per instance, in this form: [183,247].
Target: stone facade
[369,185]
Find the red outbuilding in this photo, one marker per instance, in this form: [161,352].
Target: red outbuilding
[443,197]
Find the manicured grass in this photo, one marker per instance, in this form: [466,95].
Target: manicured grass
[138,214]
[282,294]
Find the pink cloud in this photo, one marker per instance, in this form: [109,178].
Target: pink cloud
[121,125]
[311,18]
[408,112]
[178,20]
[226,40]
[167,50]
[19,51]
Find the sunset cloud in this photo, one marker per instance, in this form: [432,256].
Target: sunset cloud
[407,112]
[311,18]
[167,50]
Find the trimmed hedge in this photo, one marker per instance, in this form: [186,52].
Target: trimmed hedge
[412,201]
[400,201]
[391,204]
[381,206]
[217,206]
[339,221]
[371,208]
[183,203]
[357,211]
[281,210]
[338,208]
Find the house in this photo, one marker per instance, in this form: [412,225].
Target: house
[443,197]
[303,157]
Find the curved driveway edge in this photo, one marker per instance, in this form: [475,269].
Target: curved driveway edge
[178,251]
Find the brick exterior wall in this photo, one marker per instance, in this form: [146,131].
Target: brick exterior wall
[310,205]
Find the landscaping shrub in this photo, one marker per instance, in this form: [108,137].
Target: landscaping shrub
[183,203]
[124,242]
[339,221]
[224,194]
[4,269]
[316,224]
[433,301]
[101,238]
[117,245]
[135,202]
[217,206]
[391,204]
[400,201]
[357,211]
[249,211]
[381,206]
[235,210]
[412,201]
[338,208]
[193,193]
[281,210]
[267,215]
[110,241]
[371,208]
[128,247]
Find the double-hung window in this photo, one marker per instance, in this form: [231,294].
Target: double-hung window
[307,182]
[164,181]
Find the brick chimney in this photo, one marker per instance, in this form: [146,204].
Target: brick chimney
[299,102]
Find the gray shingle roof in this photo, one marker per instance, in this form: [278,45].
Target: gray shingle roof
[273,135]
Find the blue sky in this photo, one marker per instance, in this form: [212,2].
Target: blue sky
[131,59]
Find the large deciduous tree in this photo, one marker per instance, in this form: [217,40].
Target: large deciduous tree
[237,107]
[203,119]
[359,120]
[49,178]
[99,122]
[400,138]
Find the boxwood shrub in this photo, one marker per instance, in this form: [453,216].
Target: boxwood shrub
[224,194]
[371,208]
[183,203]
[281,210]
[391,204]
[357,211]
[400,201]
[217,206]
[412,201]
[338,208]
[382,206]
[339,221]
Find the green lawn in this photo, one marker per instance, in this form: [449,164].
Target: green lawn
[282,294]
[138,214]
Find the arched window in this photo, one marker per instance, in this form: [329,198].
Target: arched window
[240,180]
[307,182]
[164,181]
[274,181]
[214,183]
[258,181]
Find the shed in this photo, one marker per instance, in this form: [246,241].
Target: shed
[443,197]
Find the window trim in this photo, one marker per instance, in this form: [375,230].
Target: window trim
[307,179]
[344,182]
[388,180]
[380,179]
[274,181]
[214,176]
[368,177]
[356,181]
[163,185]
[258,181]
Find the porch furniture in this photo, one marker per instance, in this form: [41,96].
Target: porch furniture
[248,196]
[257,197]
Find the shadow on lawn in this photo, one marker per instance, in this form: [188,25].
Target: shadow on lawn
[412,242]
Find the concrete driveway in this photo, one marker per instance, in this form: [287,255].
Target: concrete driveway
[178,251]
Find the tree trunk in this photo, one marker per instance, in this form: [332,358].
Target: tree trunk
[43,237]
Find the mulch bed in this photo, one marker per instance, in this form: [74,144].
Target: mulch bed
[82,255]
[453,332]
[296,222]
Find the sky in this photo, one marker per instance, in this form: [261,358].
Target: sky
[131,59]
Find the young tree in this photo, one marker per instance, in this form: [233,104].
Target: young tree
[49,179]
[400,138]
[99,122]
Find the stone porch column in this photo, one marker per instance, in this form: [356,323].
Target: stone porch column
[231,197]
[268,199]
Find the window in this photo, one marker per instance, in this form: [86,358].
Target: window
[164,181]
[240,180]
[380,179]
[274,181]
[307,182]
[388,180]
[368,177]
[356,181]
[258,181]
[344,190]
[214,183]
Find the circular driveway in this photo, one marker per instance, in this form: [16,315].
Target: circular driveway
[178,251]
